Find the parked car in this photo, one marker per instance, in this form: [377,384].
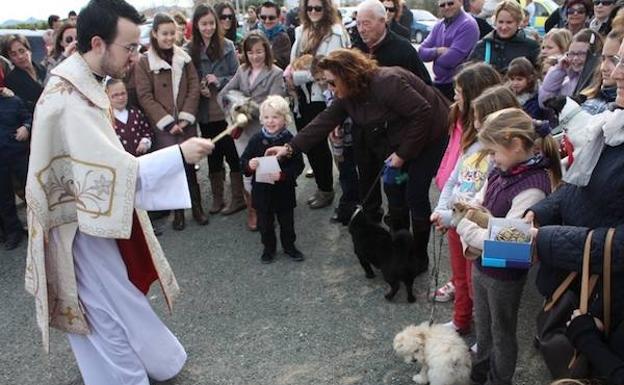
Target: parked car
[35,38]
[423,24]
[144,38]
[346,13]
[543,9]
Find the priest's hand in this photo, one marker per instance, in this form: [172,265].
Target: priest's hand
[195,149]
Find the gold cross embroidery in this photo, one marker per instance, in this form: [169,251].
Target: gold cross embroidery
[69,313]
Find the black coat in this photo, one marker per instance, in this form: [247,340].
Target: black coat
[484,26]
[25,87]
[14,115]
[400,30]
[504,51]
[396,51]
[567,215]
[281,195]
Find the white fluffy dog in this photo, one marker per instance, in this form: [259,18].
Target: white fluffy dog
[443,354]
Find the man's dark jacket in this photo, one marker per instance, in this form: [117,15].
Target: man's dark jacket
[396,51]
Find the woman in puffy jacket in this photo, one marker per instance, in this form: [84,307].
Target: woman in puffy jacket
[507,41]
[591,199]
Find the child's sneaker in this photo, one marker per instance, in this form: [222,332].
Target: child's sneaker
[445,294]
[460,331]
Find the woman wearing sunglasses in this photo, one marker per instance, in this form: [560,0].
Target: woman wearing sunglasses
[578,14]
[319,34]
[229,23]
[507,41]
[393,15]
[64,45]
[397,120]
[602,11]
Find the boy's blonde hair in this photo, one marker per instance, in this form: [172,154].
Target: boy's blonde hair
[277,104]
[501,127]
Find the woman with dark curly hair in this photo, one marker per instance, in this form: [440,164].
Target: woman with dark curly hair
[397,119]
[228,22]
[319,34]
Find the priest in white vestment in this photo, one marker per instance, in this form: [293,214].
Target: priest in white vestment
[92,253]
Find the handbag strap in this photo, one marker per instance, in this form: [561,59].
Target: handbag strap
[585,274]
[606,280]
[560,290]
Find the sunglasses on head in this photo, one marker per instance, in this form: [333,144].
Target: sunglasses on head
[576,11]
[69,39]
[390,9]
[447,4]
[603,2]
[268,17]
[226,17]
[317,8]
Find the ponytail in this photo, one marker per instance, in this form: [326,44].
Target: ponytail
[501,127]
[550,149]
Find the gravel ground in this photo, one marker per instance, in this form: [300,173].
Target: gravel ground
[316,322]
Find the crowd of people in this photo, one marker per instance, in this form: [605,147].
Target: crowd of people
[480,126]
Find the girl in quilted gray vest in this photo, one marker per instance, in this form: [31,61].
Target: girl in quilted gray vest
[526,167]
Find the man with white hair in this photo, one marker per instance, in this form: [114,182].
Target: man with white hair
[449,44]
[382,44]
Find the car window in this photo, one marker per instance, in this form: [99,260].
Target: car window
[540,11]
[420,14]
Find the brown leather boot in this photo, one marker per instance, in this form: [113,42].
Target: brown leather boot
[252,219]
[237,201]
[198,211]
[178,220]
[216,185]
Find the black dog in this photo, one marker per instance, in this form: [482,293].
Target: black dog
[393,254]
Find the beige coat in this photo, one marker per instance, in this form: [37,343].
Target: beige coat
[168,93]
[268,82]
[79,178]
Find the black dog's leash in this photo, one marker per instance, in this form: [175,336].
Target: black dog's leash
[360,207]
[435,270]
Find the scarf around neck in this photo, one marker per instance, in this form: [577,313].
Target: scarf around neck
[271,33]
[536,161]
[283,133]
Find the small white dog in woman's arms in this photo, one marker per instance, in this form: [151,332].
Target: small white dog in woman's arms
[442,353]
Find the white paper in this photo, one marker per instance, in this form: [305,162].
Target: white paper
[267,168]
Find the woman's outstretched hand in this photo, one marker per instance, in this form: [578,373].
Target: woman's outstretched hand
[279,151]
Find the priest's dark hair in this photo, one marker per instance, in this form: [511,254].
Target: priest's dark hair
[99,18]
